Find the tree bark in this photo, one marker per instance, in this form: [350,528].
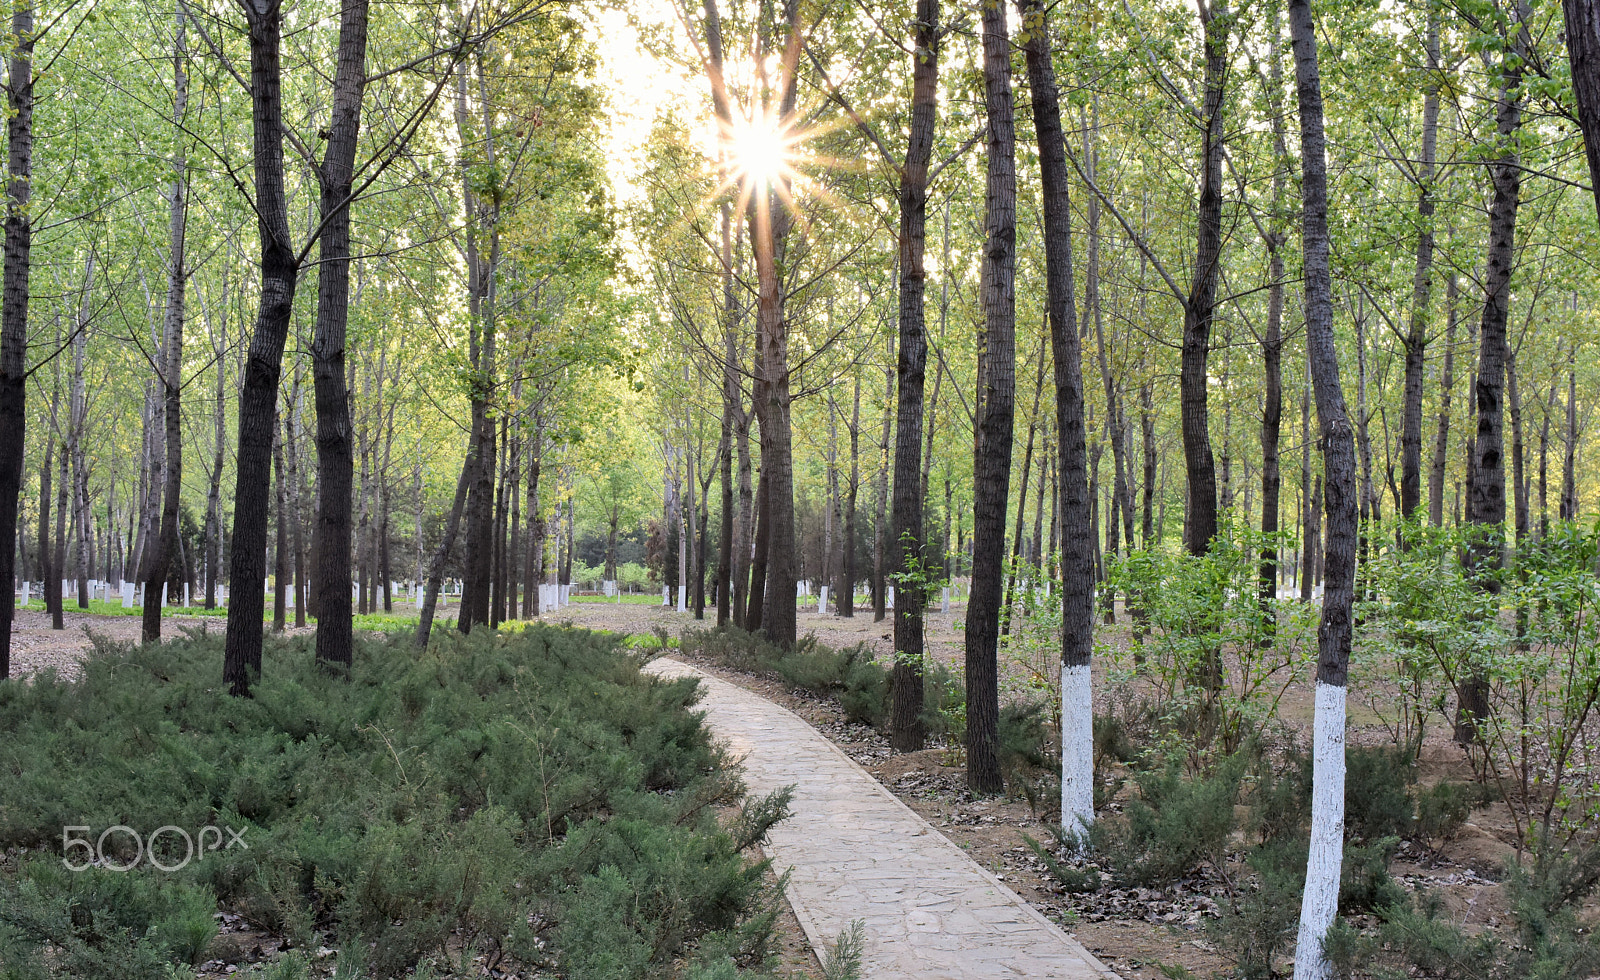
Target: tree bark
[1486,492]
[14,306]
[993,422]
[1441,441]
[1076,505]
[905,723]
[280,271]
[1200,306]
[1334,630]
[1416,339]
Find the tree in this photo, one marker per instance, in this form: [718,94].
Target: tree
[14,303]
[335,178]
[1076,505]
[991,458]
[906,728]
[1326,855]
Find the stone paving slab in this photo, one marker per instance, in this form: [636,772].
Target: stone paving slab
[854,851]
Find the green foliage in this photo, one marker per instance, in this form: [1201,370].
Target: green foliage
[531,795]
[1173,824]
[850,675]
[1547,940]
[1219,662]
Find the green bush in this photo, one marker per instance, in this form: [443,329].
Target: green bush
[532,795]
[850,675]
[1174,824]
[1377,793]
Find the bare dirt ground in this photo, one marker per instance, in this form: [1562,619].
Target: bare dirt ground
[1137,932]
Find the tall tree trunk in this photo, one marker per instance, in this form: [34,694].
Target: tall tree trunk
[846,603]
[280,546]
[1147,432]
[996,407]
[1077,576]
[14,306]
[59,563]
[533,570]
[1338,455]
[78,430]
[1416,339]
[1486,492]
[905,723]
[171,374]
[1199,308]
[335,465]
[1569,457]
[881,527]
[247,571]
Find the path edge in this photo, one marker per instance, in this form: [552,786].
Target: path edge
[818,943]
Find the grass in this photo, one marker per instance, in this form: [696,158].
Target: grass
[530,799]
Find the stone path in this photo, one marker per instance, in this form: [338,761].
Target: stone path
[856,852]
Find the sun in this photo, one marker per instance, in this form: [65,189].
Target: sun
[762,152]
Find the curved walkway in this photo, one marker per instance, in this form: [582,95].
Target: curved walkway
[854,851]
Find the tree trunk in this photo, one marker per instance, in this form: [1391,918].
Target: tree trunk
[880,525]
[996,407]
[1486,488]
[1077,579]
[1333,633]
[907,552]
[1416,339]
[1583,55]
[1569,458]
[1441,442]
[14,307]
[441,555]
[1200,306]
[846,603]
[280,271]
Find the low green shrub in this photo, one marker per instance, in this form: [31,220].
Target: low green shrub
[1546,938]
[531,796]
[1174,824]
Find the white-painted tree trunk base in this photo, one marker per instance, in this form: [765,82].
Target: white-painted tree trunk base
[24,594]
[1077,748]
[683,596]
[822,600]
[1326,857]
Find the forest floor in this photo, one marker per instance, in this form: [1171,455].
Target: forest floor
[1136,932]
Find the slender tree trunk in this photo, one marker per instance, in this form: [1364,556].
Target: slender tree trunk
[280,271]
[533,571]
[1200,305]
[1486,488]
[846,603]
[441,555]
[280,548]
[1077,578]
[1416,340]
[14,306]
[905,723]
[996,407]
[59,564]
[1569,458]
[1441,442]
[47,568]
[881,527]
[1333,633]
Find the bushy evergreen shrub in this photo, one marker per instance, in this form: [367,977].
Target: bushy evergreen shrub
[532,795]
